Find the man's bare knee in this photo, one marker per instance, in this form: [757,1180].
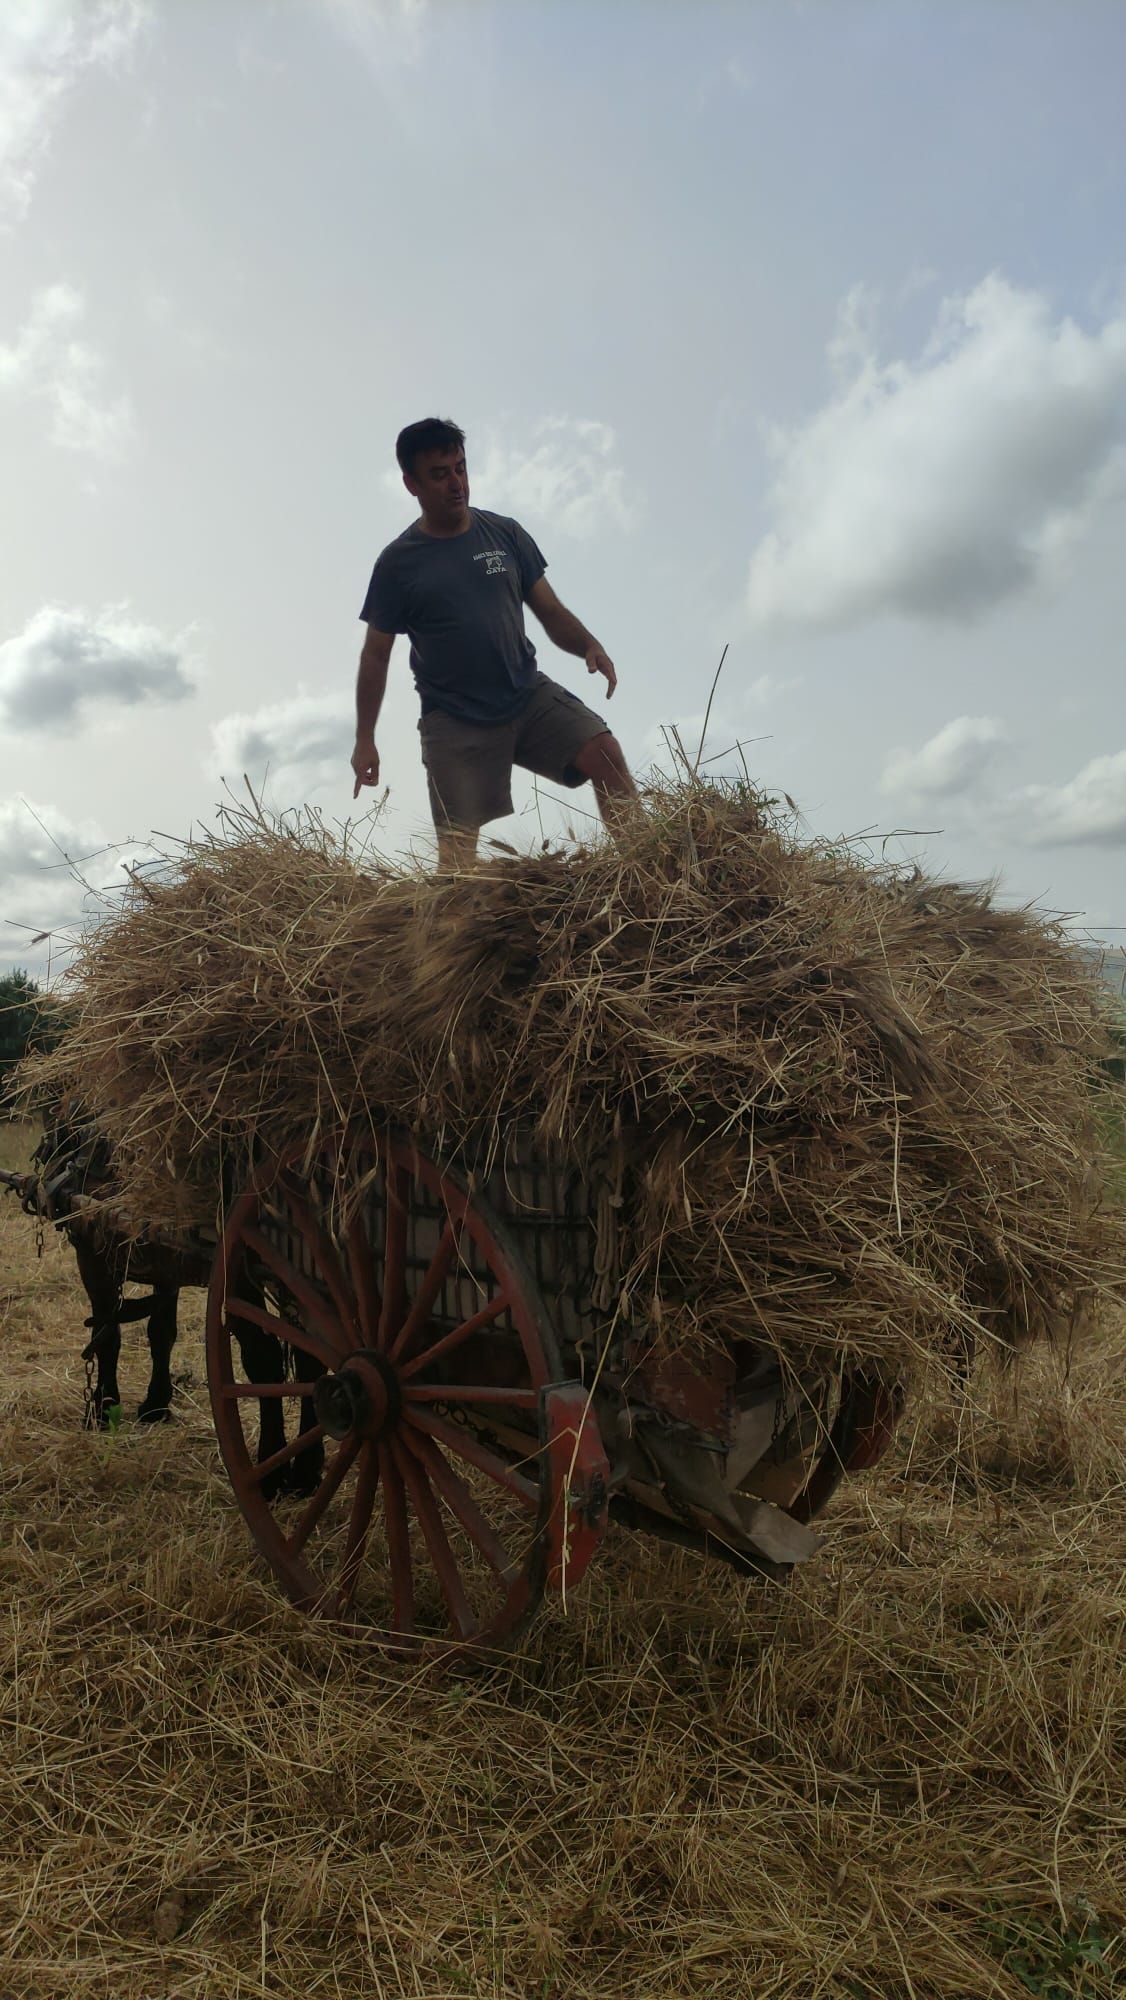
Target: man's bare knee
[602,761]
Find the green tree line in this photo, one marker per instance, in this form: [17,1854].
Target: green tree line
[29,1019]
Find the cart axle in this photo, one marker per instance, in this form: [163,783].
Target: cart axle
[363,1397]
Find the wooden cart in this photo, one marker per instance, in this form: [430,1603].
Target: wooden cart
[430,1410]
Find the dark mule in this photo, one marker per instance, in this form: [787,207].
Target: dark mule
[75,1170]
[105,1265]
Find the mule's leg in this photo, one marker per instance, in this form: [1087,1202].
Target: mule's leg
[103,1289]
[105,1397]
[263,1360]
[305,1472]
[157,1406]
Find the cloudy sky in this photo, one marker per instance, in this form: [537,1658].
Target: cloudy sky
[789,326]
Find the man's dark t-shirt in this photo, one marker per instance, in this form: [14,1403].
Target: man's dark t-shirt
[461,600]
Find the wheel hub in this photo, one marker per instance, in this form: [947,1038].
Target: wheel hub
[362,1397]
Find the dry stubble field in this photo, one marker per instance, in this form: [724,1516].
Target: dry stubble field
[902,1775]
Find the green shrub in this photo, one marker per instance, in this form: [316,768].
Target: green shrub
[29,1020]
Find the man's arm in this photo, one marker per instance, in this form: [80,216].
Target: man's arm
[566,632]
[371,686]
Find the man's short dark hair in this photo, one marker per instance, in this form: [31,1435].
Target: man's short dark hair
[431,434]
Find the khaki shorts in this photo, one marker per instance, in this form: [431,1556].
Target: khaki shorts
[469,764]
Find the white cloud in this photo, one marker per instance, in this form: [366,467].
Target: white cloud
[288,750]
[45,45]
[1089,810]
[53,873]
[381,30]
[568,478]
[724,730]
[939,487]
[64,660]
[768,687]
[852,342]
[950,762]
[712,738]
[49,363]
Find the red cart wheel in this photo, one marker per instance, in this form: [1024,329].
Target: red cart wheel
[375,1355]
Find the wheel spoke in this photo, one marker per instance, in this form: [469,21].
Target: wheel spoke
[464,1445]
[325,1493]
[485,1317]
[362,1266]
[437,1541]
[470,1392]
[363,1500]
[326,1255]
[460,1501]
[398,1543]
[299,1443]
[398,1183]
[432,1282]
[283,1329]
[258,1316]
[305,1293]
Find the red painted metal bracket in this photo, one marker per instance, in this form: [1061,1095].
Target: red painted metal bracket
[580,1483]
[701,1397]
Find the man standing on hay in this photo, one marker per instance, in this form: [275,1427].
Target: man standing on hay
[457,582]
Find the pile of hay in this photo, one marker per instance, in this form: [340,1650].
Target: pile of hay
[848,1111]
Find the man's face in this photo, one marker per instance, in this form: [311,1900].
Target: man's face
[440,484]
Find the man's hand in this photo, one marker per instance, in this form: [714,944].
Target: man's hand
[598,662]
[365,764]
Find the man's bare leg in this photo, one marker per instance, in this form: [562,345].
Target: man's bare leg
[601,760]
